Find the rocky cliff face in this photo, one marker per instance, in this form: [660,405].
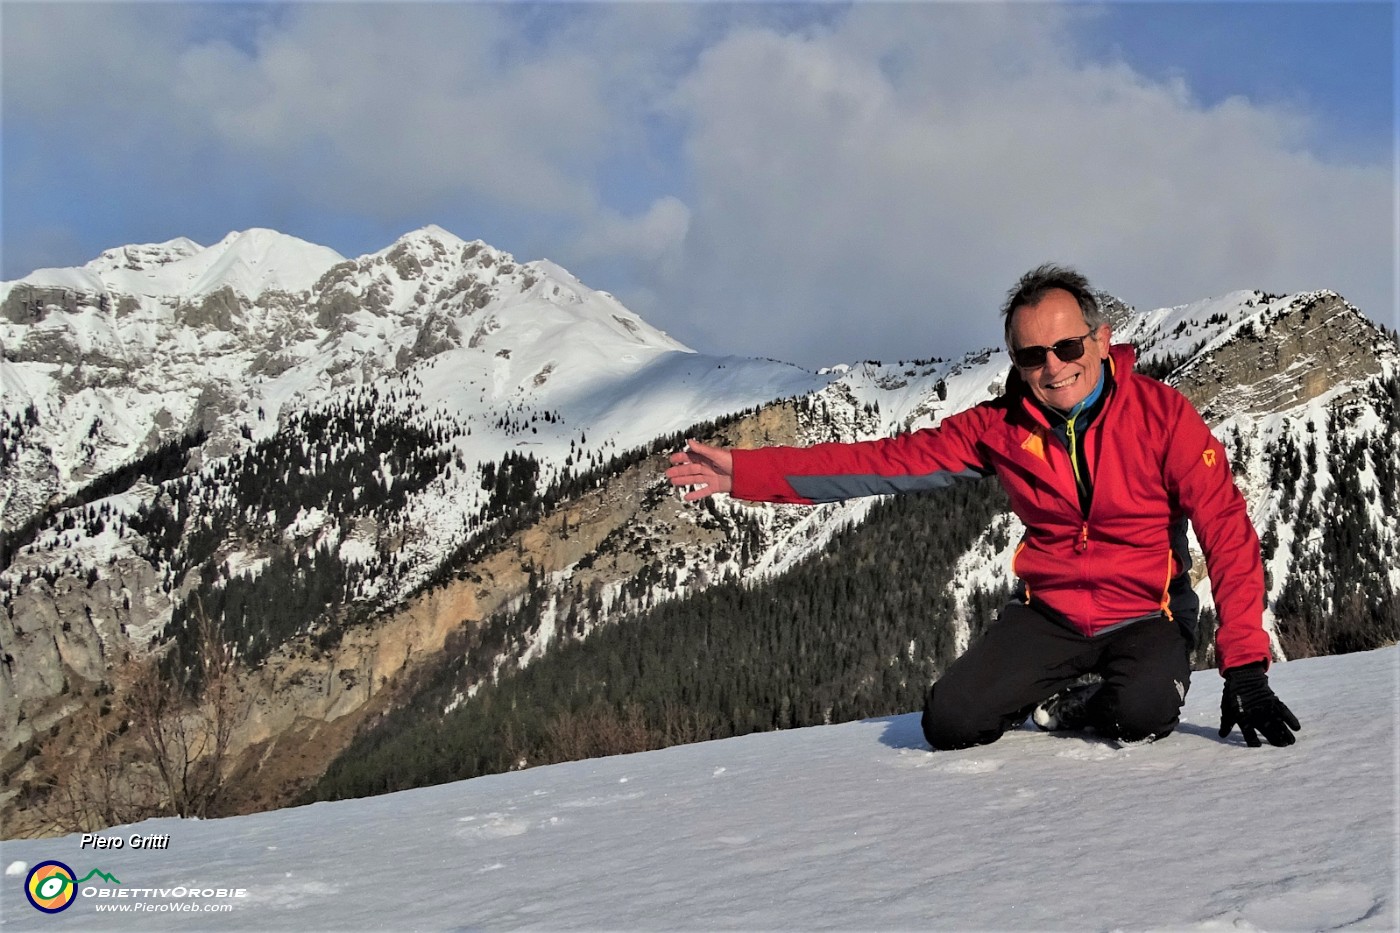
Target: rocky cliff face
[1284,358]
[302,704]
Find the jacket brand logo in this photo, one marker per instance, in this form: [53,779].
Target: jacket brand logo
[1209,458]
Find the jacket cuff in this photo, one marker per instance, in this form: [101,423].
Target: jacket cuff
[757,478]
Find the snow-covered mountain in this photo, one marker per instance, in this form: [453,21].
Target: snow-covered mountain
[852,827]
[150,343]
[361,467]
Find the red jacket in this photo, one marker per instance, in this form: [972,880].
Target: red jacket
[1154,464]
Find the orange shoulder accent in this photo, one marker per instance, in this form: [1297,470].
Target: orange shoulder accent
[1035,443]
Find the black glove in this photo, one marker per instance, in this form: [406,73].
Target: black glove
[1249,703]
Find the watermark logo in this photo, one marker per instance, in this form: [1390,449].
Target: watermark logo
[53,887]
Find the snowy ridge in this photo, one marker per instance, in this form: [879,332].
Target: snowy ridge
[853,826]
[250,262]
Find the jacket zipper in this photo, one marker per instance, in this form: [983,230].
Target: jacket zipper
[1074,455]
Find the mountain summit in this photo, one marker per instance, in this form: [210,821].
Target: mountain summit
[251,262]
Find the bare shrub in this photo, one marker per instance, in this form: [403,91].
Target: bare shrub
[150,749]
[596,732]
[188,740]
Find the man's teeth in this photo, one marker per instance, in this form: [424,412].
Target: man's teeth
[1062,383]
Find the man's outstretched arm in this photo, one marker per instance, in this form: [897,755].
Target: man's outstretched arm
[928,458]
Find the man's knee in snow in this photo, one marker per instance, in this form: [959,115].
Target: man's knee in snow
[948,726]
[1136,714]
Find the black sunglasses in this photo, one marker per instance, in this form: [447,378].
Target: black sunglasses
[1071,348]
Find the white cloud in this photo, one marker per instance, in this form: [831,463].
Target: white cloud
[657,235]
[813,183]
[96,72]
[882,211]
[411,103]
[402,104]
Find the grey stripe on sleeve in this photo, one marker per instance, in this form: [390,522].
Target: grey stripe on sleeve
[850,486]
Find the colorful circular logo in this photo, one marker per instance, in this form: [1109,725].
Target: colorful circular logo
[51,887]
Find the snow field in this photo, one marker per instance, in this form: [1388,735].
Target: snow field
[855,826]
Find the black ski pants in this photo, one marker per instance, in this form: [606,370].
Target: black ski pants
[1025,657]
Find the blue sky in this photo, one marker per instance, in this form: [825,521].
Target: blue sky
[810,182]
[1333,60]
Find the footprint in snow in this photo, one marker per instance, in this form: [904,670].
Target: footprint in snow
[969,766]
[491,826]
[1326,906]
[602,801]
[291,894]
[911,758]
[1090,751]
[1024,797]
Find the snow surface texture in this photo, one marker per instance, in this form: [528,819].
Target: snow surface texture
[854,826]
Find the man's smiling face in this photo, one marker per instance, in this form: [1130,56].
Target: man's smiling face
[1057,317]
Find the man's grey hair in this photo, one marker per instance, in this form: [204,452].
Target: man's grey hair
[1033,286]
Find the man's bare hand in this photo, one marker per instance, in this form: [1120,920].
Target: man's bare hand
[708,469]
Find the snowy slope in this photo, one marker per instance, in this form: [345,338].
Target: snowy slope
[856,826]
